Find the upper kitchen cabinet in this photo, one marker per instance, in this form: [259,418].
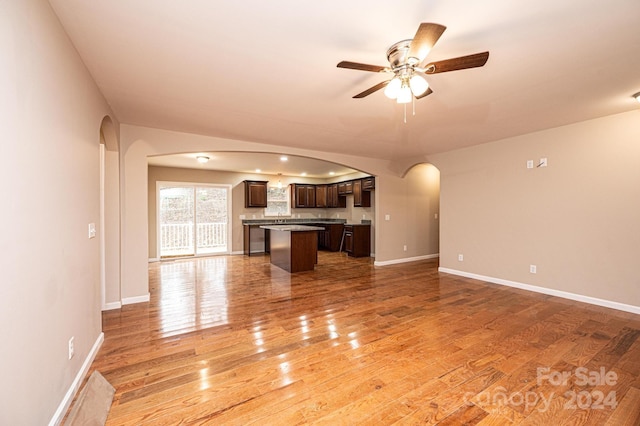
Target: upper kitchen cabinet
[368,183]
[361,198]
[303,195]
[333,199]
[321,196]
[345,188]
[255,193]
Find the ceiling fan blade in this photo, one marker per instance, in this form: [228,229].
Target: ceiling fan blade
[361,67]
[370,90]
[426,36]
[428,92]
[454,64]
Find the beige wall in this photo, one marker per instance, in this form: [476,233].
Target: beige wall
[576,220]
[170,174]
[50,115]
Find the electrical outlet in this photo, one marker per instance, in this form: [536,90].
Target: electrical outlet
[405,248]
[387,217]
[435,216]
[460,258]
[529,164]
[71,348]
[533,269]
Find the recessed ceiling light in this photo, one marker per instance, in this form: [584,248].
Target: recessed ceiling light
[303,174]
[258,170]
[202,159]
[284,158]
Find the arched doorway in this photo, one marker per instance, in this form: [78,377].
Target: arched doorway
[423,207]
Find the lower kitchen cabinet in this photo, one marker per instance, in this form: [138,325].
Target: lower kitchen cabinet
[357,240]
[330,238]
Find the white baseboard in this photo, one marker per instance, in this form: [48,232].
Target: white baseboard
[73,389]
[233,253]
[112,305]
[552,292]
[136,299]
[405,259]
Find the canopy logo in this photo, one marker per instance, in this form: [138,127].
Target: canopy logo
[596,399]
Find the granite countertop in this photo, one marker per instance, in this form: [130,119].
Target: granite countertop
[324,221]
[292,228]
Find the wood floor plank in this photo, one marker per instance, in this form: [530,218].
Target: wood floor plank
[628,411]
[233,340]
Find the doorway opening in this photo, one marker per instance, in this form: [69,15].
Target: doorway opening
[193,219]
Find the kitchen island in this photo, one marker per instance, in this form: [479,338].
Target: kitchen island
[252,233]
[293,248]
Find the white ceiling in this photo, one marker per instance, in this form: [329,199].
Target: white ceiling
[265,71]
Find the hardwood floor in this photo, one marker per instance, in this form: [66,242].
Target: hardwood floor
[235,340]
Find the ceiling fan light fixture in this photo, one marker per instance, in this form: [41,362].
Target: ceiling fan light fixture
[393,88]
[404,95]
[202,159]
[418,85]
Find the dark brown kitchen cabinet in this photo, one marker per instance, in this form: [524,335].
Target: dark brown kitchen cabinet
[303,195]
[330,238]
[368,183]
[255,193]
[345,188]
[333,199]
[357,240]
[360,198]
[321,196]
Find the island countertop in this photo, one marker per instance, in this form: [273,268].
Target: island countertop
[292,228]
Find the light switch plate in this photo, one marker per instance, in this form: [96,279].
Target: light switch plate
[92,230]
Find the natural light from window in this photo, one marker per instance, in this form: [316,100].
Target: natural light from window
[278,203]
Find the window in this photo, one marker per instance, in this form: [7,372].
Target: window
[278,201]
[193,219]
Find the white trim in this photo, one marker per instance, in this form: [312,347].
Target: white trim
[73,389]
[237,252]
[154,259]
[111,305]
[136,299]
[558,293]
[405,259]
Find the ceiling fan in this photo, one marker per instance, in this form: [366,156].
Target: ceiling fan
[405,58]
